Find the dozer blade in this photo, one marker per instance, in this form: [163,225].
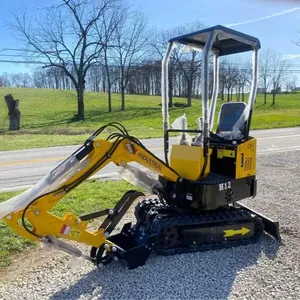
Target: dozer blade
[271,227]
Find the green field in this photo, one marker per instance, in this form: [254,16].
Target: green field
[88,197]
[47,116]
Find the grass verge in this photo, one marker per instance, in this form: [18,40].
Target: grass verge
[47,116]
[88,197]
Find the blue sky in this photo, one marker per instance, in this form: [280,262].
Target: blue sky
[275,23]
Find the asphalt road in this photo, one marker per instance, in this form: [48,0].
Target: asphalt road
[20,169]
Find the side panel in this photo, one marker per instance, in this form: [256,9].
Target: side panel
[211,197]
[211,194]
[246,159]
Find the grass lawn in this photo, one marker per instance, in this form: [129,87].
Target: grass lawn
[88,197]
[46,116]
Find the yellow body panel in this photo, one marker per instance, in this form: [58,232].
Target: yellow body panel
[246,159]
[188,161]
[225,153]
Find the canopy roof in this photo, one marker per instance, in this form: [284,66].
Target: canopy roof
[227,41]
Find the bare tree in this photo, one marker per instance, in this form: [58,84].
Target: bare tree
[190,68]
[287,83]
[265,70]
[25,80]
[94,78]
[130,48]
[279,67]
[109,40]
[5,80]
[158,42]
[242,80]
[39,78]
[229,77]
[222,78]
[16,79]
[185,63]
[66,37]
[292,83]
[189,60]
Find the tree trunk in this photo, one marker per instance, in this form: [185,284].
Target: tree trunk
[122,98]
[189,99]
[265,97]
[273,101]
[108,80]
[237,94]
[13,112]
[63,83]
[189,94]
[228,94]
[109,99]
[80,102]
[222,93]
[97,86]
[243,94]
[56,82]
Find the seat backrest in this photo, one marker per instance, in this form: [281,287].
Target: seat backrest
[230,113]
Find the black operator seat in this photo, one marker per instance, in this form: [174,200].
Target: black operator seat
[232,120]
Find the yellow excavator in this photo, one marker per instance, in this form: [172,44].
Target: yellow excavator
[191,206]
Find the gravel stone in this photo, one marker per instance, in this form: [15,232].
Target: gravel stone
[266,270]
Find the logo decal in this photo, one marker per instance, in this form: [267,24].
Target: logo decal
[224,186]
[150,161]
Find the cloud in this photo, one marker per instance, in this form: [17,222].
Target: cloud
[290,56]
[284,12]
[285,1]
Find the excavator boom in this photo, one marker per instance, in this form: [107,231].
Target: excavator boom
[32,207]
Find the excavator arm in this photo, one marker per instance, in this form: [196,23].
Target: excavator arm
[28,213]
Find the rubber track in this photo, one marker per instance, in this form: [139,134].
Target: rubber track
[234,216]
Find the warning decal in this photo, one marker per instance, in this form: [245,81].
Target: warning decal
[65,229]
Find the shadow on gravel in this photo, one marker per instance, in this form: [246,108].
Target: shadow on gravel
[202,275]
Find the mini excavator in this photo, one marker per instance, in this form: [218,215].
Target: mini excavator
[192,205]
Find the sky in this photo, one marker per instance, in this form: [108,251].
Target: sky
[276,23]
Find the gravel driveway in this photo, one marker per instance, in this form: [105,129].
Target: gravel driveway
[265,270]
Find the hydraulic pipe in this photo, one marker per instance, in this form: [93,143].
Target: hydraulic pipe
[165,97]
[253,90]
[204,89]
[165,87]
[215,91]
[254,78]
